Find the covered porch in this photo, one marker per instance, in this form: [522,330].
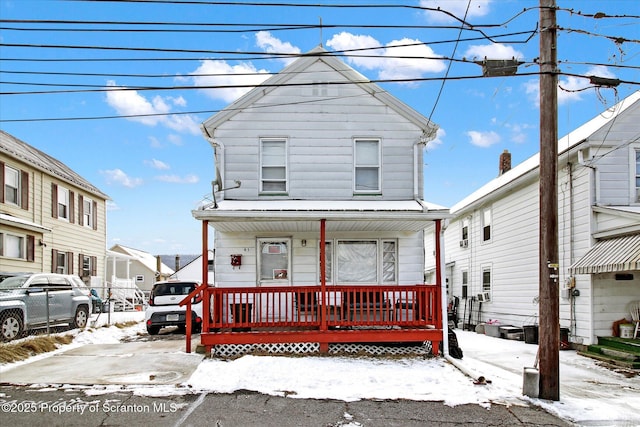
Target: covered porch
[324,312]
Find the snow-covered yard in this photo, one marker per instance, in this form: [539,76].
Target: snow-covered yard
[590,394]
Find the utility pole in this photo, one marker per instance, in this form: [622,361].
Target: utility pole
[549,308]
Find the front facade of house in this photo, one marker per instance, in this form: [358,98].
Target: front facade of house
[318,160]
[51,219]
[492,242]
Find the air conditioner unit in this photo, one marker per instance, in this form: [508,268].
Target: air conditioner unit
[464,243]
[484,297]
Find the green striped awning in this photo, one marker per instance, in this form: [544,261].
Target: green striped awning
[610,256]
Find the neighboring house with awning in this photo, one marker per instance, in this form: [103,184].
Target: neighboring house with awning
[492,243]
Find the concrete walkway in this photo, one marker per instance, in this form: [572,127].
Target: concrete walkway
[130,363]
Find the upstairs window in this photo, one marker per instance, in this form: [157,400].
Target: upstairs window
[486,225]
[63,203]
[273,165]
[367,166]
[87,213]
[11,186]
[14,186]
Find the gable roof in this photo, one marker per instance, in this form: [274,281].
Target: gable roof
[22,151]
[565,143]
[145,258]
[305,61]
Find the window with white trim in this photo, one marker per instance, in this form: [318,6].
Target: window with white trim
[465,283]
[366,166]
[62,263]
[12,246]
[365,261]
[12,189]
[486,224]
[274,260]
[273,165]
[486,279]
[63,203]
[87,212]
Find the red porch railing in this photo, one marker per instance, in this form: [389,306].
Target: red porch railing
[340,314]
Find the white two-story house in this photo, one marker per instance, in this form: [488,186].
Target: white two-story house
[318,153]
[492,241]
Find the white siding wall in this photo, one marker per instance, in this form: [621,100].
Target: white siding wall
[304,260]
[320,140]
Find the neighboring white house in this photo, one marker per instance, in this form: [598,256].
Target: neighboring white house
[138,265]
[192,271]
[318,141]
[491,244]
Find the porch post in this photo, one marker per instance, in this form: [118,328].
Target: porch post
[205,251]
[324,346]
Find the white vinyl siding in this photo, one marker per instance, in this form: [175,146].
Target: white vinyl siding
[273,166]
[367,166]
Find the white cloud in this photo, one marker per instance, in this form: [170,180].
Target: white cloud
[175,179]
[492,51]
[393,61]
[149,112]
[219,80]
[117,176]
[483,139]
[175,139]
[157,164]
[477,8]
[265,41]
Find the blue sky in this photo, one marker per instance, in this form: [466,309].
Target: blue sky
[144,148]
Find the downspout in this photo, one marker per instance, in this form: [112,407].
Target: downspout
[218,157]
[419,144]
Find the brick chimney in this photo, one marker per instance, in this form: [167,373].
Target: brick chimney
[505,162]
[177,263]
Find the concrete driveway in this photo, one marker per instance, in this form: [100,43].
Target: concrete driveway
[159,361]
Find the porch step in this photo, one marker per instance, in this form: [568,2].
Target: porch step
[620,352]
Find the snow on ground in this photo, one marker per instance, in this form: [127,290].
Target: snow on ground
[589,394]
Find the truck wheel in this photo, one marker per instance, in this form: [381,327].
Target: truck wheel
[81,317]
[11,325]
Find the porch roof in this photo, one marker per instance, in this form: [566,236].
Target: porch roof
[23,223]
[610,256]
[304,215]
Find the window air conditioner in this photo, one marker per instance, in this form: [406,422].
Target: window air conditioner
[484,297]
[464,243]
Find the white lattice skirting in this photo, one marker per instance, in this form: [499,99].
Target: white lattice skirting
[234,350]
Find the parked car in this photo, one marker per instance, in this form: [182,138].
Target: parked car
[164,309]
[37,300]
